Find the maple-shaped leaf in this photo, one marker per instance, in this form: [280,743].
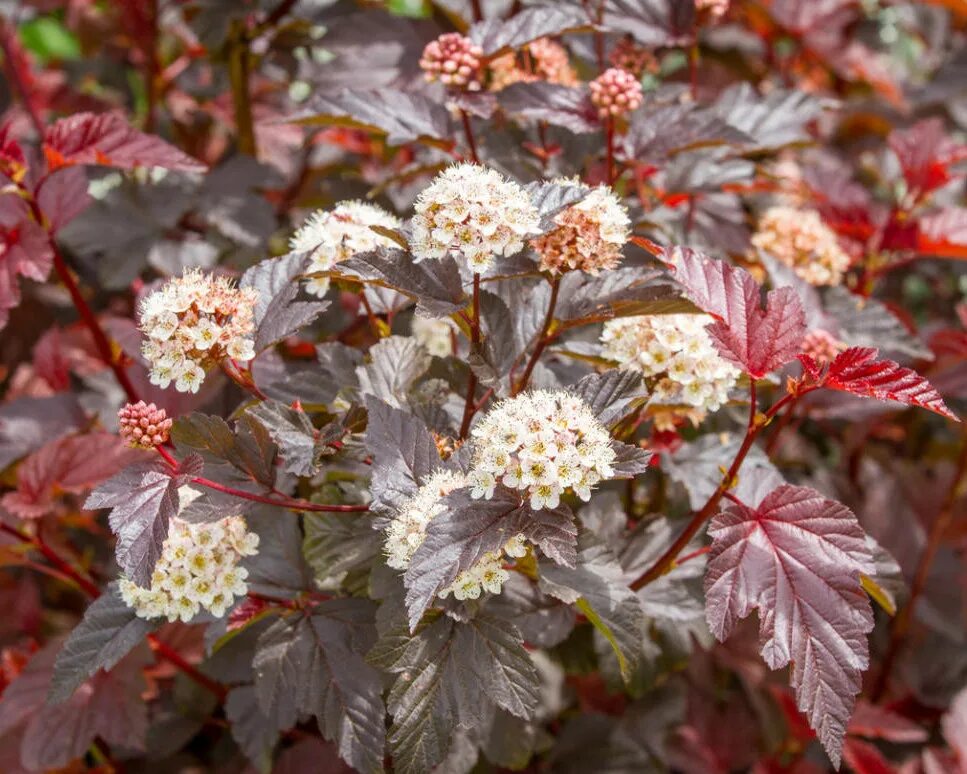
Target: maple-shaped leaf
[24,251]
[926,153]
[143,498]
[109,140]
[755,339]
[857,371]
[797,558]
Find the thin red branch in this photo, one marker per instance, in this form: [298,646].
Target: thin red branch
[468,131]
[542,341]
[468,406]
[13,73]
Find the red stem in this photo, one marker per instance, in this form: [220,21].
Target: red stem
[543,340]
[666,561]
[609,142]
[468,406]
[468,131]
[901,624]
[169,654]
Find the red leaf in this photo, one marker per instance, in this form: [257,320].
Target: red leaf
[944,233]
[875,722]
[797,559]
[107,139]
[925,153]
[864,758]
[72,464]
[63,196]
[24,251]
[857,371]
[12,162]
[756,340]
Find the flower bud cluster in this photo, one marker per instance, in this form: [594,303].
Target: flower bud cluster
[544,60]
[631,56]
[193,323]
[454,60]
[675,355]
[198,569]
[616,92]
[821,345]
[473,212]
[143,425]
[543,444]
[338,234]
[800,240]
[407,532]
[589,235]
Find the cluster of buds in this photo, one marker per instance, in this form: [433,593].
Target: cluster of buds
[543,444]
[821,345]
[143,425]
[472,212]
[338,234]
[543,60]
[198,569]
[800,240]
[454,60]
[615,93]
[407,531]
[589,235]
[193,323]
[634,58]
[677,358]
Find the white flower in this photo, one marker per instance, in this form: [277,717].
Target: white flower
[677,358]
[192,324]
[541,443]
[472,212]
[198,568]
[338,234]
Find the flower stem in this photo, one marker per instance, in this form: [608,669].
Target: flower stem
[468,131]
[609,143]
[901,624]
[543,340]
[239,65]
[667,560]
[469,405]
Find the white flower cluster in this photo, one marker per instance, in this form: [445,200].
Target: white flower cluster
[338,234]
[473,212]
[198,569]
[675,354]
[408,530]
[543,443]
[589,235]
[193,323]
[799,239]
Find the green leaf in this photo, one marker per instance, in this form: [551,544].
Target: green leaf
[46,38]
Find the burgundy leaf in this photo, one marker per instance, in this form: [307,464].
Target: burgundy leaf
[12,162]
[756,340]
[63,196]
[797,559]
[876,722]
[944,233]
[24,251]
[108,140]
[864,758]
[925,153]
[857,371]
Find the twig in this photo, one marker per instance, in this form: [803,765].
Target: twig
[238,72]
[468,407]
[542,340]
[468,131]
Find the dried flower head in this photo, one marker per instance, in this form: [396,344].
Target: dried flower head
[676,356]
[631,56]
[541,443]
[616,92]
[454,60]
[589,235]
[143,425]
[800,240]
[540,60]
[337,234]
[407,531]
[472,212]
[821,345]
[193,323]
[198,569]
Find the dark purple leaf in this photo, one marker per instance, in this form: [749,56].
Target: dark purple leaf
[496,35]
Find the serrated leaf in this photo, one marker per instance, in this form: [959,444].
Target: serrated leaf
[653,23]
[292,430]
[758,341]
[597,587]
[400,116]
[612,395]
[495,35]
[310,665]
[394,364]
[106,634]
[655,135]
[450,674]
[277,312]
[551,198]
[107,139]
[566,106]
[143,498]
[336,543]
[797,558]
[867,322]
[857,371]
[457,538]
[25,251]
[629,460]
[250,729]
[618,293]
[776,119]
